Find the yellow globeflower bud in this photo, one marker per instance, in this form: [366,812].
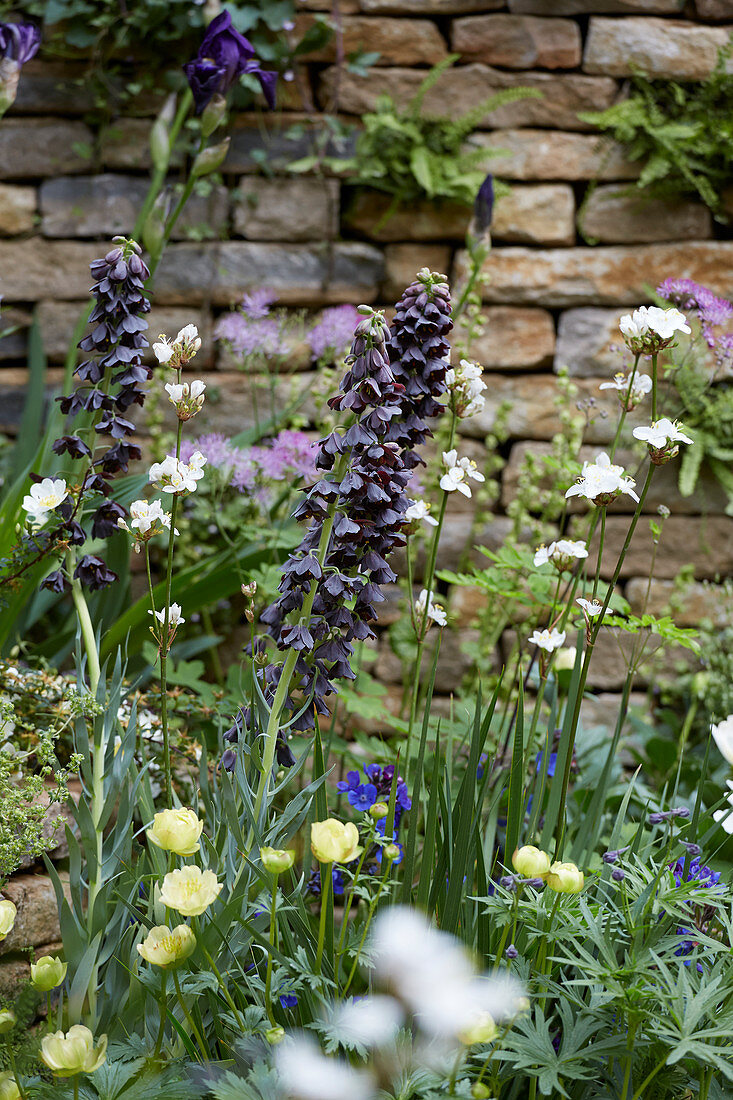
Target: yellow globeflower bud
[379,810]
[482,1030]
[479,1091]
[72,1053]
[531,862]
[7,1020]
[166,947]
[334,842]
[176,831]
[7,917]
[565,878]
[391,852]
[275,1035]
[277,860]
[8,1087]
[189,890]
[48,972]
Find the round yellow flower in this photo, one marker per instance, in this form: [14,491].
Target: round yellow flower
[189,890]
[176,831]
[72,1053]
[565,878]
[334,842]
[48,972]
[482,1030]
[277,860]
[8,1087]
[7,917]
[7,1020]
[531,862]
[167,947]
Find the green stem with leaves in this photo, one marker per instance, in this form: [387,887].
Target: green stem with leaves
[164,640]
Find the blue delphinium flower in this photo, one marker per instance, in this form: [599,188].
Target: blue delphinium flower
[288,1000]
[707,879]
[224,54]
[551,763]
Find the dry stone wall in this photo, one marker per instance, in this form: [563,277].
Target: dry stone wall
[551,301]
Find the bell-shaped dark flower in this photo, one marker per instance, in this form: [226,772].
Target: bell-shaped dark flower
[224,54]
[72,445]
[105,519]
[93,573]
[56,582]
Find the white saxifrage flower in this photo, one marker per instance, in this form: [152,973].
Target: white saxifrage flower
[650,328]
[591,608]
[547,639]
[561,554]
[458,471]
[420,510]
[175,476]
[178,352]
[175,618]
[306,1074]
[466,387]
[432,975]
[147,518]
[629,398]
[723,737]
[43,497]
[187,397]
[427,610]
[601,482]
[662,438]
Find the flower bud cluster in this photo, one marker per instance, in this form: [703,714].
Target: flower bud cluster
[465,388]
[187,398]
[533,863]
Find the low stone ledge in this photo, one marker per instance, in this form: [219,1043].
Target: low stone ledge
[554,155]
[39,147]
[518,41]
[612,217]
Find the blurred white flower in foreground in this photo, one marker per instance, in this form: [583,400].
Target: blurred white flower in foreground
[561,554]
[433,976]
[723,737]
[306,1074]
[548,640]
[458,471]
[602,482]
[725,817]
[43,497]
[369,1021]
[640,387]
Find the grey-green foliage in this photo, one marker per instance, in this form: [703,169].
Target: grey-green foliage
[683,132]
[412,155]
[707,412]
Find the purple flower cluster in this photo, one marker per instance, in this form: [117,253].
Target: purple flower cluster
[115,344]
[377,788]
[419,356]
[710,310]
[251,334]
[332,335]
[288,456]
[223,56]
[707,880]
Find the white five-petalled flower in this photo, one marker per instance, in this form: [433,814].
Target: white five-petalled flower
[43,497]
[561,554]
[724,817]
[602,482]
[147,518]
[723,737]
[466,387]
[591,608]
[458,471]
[420,510]
[650,328]
[175,476]
[662,438]
[178,352]
[629,398]
[426,610]
[187,397]
[175,618]
[547,639]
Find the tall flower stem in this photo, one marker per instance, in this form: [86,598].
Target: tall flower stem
[325,897]
[165,641]
[159,174]
[560,827]
[372,907]
[601,541]
[162,1002]
[654,387]
[273,946]
[86,627]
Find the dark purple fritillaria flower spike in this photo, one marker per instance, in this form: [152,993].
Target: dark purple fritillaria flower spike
[224,54]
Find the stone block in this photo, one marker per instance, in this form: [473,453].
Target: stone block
[518,41]
[125,144]
[460,538]
[428,7]
[104,205]
[13,393]
[608,275]
[589,342]
[346,7]
[594,7]
[37,268]
[554,155]
[397,41]
[688,605]
[467,602]
[37,921]
[612,217]
[705,543]
[420,221]
[58,320]
[668,48]
[599,711]
[709,497]
[292,138]
[715,10]
[297,274]
[13,344]
[459,90]
[36,147]
[403,261]
[287,209]
[17,209]
[514,339]
[536,214]
[53,88]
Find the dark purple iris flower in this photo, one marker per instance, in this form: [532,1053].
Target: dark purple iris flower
[224,54]
[19,42]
